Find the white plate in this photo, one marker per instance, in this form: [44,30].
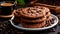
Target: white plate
[19,26]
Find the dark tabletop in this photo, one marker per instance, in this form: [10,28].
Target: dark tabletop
[7,28]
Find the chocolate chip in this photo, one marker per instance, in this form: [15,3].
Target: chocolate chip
[47,17]
[27,9]
[18,9]
[46,13]
[38,11]
[53,30]
[41,8]
[17,12]
[34,9]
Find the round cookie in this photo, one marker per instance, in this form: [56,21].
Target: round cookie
[32,12]
[34,21]
[38,25]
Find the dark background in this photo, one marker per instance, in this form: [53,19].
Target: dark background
[6,0]
[51,2]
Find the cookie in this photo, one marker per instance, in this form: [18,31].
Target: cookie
[34,20]
[32,12]
[17,20]
[37,25]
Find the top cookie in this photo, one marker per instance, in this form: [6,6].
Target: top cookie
[33,12]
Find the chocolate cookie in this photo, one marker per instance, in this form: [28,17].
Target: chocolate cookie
[36,25]
[34,20]
[32,12]
[17,20]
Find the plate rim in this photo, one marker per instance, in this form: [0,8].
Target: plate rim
[44,28]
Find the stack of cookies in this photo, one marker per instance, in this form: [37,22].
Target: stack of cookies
[34,17]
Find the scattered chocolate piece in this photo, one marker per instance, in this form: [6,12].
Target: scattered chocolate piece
[58,32]
[1,29]
[53,30]
[59,19]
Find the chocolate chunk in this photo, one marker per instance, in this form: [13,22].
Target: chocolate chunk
[58,32]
